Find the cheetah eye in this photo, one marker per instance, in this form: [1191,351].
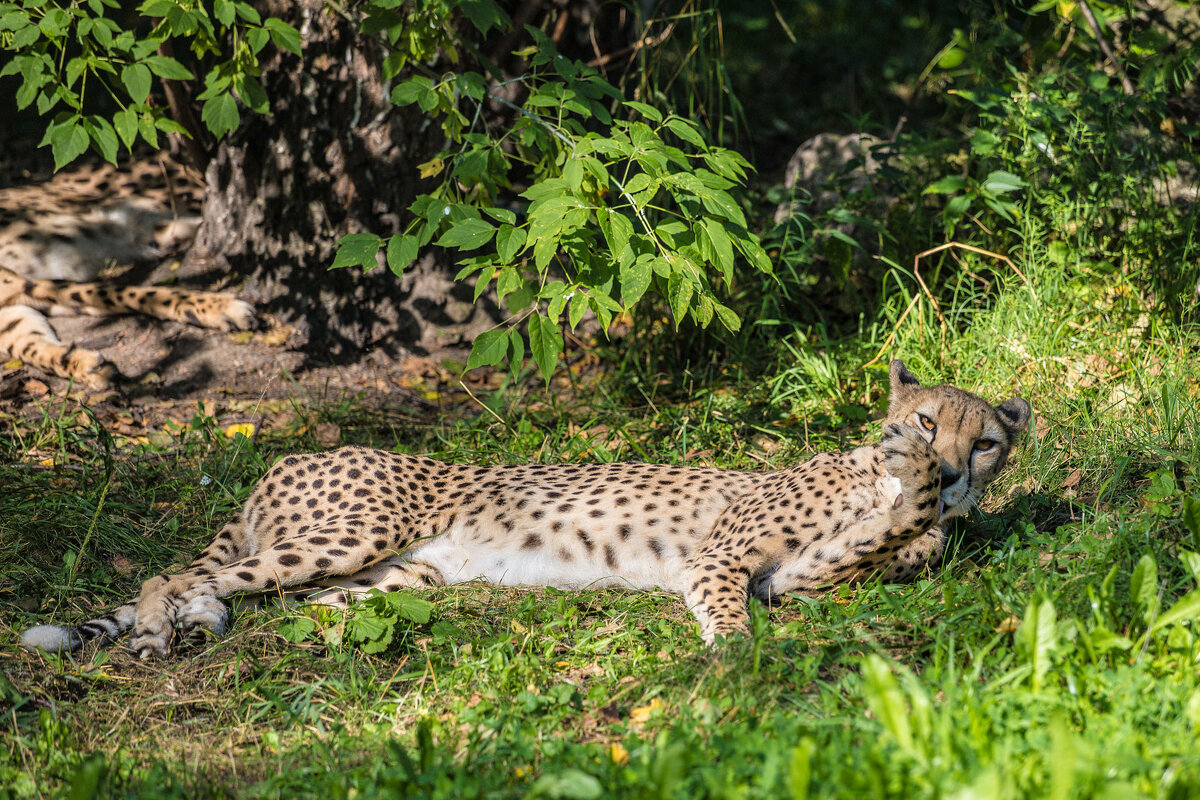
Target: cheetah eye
[926,422]
[983,445]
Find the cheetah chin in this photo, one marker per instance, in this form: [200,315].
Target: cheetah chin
[332,527]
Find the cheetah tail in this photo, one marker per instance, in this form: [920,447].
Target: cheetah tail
[60,638]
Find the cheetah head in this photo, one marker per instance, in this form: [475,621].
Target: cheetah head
[972,437]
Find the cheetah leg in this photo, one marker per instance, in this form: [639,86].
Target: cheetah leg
[294,561]
[205,309]
[388,575]
[26,334]
[207,613]
[894,541]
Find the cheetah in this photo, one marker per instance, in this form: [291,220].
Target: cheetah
[337,525]
[56,236]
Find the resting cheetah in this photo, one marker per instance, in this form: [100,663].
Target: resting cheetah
[343,523]
[55,237]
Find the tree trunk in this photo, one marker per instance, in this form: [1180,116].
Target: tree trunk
[335,157]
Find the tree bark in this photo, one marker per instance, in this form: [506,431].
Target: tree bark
[334,157]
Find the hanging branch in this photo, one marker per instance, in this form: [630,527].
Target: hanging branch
[1105,48]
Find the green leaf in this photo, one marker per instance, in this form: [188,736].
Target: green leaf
[509,241]
[67,142]
[886,700]
[687,131]
[409,607]
[1185,609]
[297,629]
[1001,182]
[649,112]
[126,122]
[169,68]
[728,317]
[1143,585]
[616,228]
[357,249]
[1191,519]
[635,279]
[220,114]
[722,248]
[284,35]
[101,132]
[516,352]
[467,235]
[488,349]
[545,342]
[223,11]
[947,185]
[401,252]
[680,287]
[1037,639]
[136,79]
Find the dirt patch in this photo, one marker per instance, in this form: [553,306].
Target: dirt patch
[173,371]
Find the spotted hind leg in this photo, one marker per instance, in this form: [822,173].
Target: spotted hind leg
[293,561]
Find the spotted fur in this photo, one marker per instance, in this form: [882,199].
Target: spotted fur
[56,237]
[337,525]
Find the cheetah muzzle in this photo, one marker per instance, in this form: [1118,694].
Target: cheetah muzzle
[331,527]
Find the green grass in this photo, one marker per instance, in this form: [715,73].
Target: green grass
[1021,667]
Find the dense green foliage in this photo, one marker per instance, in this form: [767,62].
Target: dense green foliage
[1052,654]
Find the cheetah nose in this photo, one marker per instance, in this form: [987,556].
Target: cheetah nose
[950,475]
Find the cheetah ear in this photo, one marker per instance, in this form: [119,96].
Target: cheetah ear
[903,381]
[1014,414]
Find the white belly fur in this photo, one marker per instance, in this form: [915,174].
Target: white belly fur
[504,562]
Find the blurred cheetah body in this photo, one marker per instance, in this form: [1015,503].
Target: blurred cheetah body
[343,523]
[55,238]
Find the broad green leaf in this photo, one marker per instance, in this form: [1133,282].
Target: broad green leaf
[509,241]
[357,249]
[126,123]
[67,142]
[947,185]
[1143,585]
[284,35]
[1186,608]
[516,353]
[411,90]
[617,229]
[579,307]
[1037,639]
[168,68]
[687,131]
[1001,182]
[488,349]
[635,279]
[648,112]
[680,287]
[220,114]
[223,11]
[136,80]
[467,235]
[101,132]
[722,247]
[1191,560]
[401,252]
[886,700]
[297,629]
[1191,519]
[545,342]
[728,317]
